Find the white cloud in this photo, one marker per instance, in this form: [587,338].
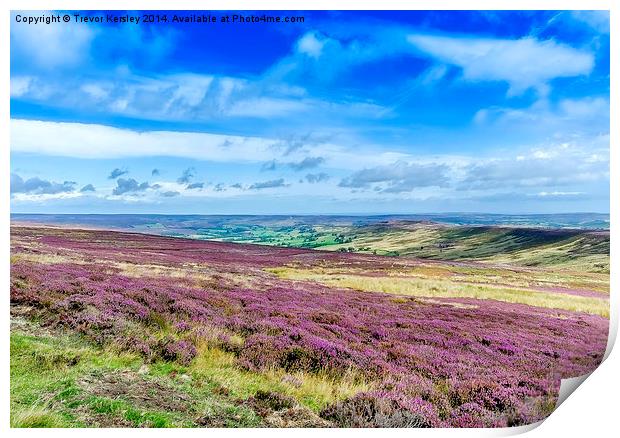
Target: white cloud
[310,45]
[99,141]
[555,168]
[265,107]
[399,177]
[20,85]
[586,108]
[524,63]
[552,165]
[322,58]
[543,155]
[556,193]
[188,90]
[94,141]
[96,91]
[432,75]
[187,97]
[598,20]
[29,197]
[53,45]
[566,115]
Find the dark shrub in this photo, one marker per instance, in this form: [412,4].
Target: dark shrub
[264,403]
[173,350]
[369,410]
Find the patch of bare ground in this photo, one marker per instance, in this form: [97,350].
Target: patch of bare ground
[281,411]
[140,392]
[21,321]
[94,419]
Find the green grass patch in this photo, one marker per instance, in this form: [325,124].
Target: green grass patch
[61,380]
[48,372]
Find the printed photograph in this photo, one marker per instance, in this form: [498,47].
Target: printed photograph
[309,219]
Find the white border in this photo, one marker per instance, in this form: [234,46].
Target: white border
[591,411]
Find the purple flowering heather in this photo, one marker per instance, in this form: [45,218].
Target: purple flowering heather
[431,364]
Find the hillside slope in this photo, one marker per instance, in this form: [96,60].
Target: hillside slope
[579,249]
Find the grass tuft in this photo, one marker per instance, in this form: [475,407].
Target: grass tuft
[36,417]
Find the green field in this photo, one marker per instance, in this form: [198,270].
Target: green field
[523,246]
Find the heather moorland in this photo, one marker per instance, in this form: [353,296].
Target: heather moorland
[113,328]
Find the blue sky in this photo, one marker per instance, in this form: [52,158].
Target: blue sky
[347,112]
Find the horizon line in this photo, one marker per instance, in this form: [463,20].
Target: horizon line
[313,214]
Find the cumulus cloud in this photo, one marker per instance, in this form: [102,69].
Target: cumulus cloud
[554,165]
[129,185]
[117,172]
[303,164]
[268,184]
[314,178]
[170,194]
[311,44]
[399,177]
[196,185]
[187,175]
[87,188]
[298,142]
[306,163]
[39,186]
[524,63]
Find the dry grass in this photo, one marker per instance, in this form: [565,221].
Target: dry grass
[46,258]
[510,276]
[314,390]
[431,288]
[149,270]
[36,417]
